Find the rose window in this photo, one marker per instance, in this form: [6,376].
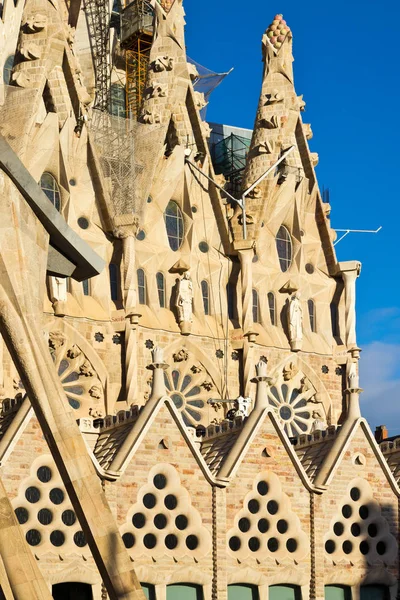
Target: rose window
[188,395]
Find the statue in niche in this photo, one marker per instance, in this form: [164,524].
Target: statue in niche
[295,322]
[58,294]
[184,302]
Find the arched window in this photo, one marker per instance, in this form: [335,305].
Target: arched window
[72,591]
[284,248]
[86,287]
[184,591]
[174,225]
[311,314]
[374,592]
[149,591]
[256,307]
[272,307]
[231,296]
[7,69]
[335,319]
[118,100]
[161,289]
[337,592]
[206,297]
[141,279]
[113,271]
[50,188]
[284,592]
[241,591]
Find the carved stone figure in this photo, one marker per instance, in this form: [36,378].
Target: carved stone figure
[157,90]
[352,378]
[30,51]
[163,63]
[289,371]
[295,322]
[181,355]
[319,422]
[242,407]
[58,294]
[35,23]
[184,299]
[149,117]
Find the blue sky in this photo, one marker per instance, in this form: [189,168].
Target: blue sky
[346,66]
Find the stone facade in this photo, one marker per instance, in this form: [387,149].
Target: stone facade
[172,420]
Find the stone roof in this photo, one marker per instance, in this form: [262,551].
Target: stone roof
[391,451]
[218,442]
[109,442]
[313,448]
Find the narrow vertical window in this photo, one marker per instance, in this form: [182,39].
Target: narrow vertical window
[161,289]
[334,319]
[284,248]
[86,287]
[206,297]
[50,188]
[272,308]
[141,278]
[311,314]
[256,307]
[113,271]
[231,298]
[174,225]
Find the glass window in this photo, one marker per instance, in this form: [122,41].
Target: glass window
[334,319]
[7,69]
[50,188]
[141,286]
[113,271]
[374,592]
[337,592]
[256,307]
[174,225]
[118,100]
[149,591]
[284,592]
[86,287]
[242,592]
[206,297]
[272,308]
[161,289]
[184,591]
[231,294]
[284,248]
[311,314]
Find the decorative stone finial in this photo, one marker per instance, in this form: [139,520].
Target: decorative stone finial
[277,32]
[157,355]
[261,369]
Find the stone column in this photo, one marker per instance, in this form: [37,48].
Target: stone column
[246,254]
[350,270]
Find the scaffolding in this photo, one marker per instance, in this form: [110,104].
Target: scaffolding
[98,21]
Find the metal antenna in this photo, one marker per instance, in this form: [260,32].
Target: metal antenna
[242,201]
[347,231]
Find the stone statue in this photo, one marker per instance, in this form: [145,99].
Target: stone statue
[295,322]
[352,377]
[184,301]
[58,294]
[319,423]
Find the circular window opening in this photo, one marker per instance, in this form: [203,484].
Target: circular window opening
[347,511]
[338,528]
[129,540]
[364,547]
[204,247]
[44,474]
[79,539]
[254,506]
[310,268]
[141,234]
[244,525]
[181,522]
[263,525]
[372,530]
[56,496]
[68,518]
[57,538]
[355,494]
[149,500]
[32,494]
[45,516]
[381,548]
[160,481]
[273,544]
[262,488]
[291,545]
[330,546]
[83,223]
[254,544]
[149,200]
[138,520]
[149,541]
[347,547]
[194,209]
[364,512]
[171,541]
[272,507]
[282,526]
[160,521]
[285,413]
[192,542]
[22,515]
[33,537]
[72,182]
[170,502]
[234,543]
[355,529]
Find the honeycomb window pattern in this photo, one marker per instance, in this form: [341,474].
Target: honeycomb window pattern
[266,526]
[43,509]
[163,521]
[358,530]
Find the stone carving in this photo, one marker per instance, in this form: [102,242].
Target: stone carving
[35,23]
[200,100]
[70,34]
[149,117]
[184,299]
[58,294]
[30,51]
[157,355]
[295,322]
[319,423]
[21,79]
[86,369]
[181,355]
[163,63]
[207,385]
[290,371]
[301,103]
[95,392]
[307,130]
[242,407]
[156,90]
[96,413]
[352,377]
[56,339]
[196,369]
[207,132]
[274,97]
[74,351]
[269,123]
[266,147]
